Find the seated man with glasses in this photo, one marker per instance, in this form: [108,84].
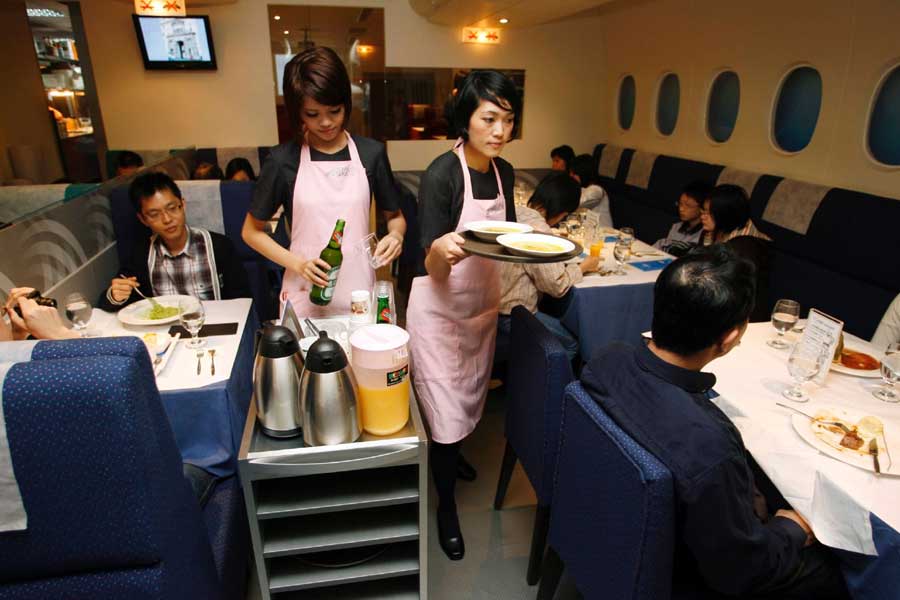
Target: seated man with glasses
[685,234]
[177,259]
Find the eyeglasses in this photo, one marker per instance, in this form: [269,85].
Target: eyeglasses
[172,210]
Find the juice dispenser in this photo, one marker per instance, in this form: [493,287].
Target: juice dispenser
[380,359]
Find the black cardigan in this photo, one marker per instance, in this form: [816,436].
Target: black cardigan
[233,277]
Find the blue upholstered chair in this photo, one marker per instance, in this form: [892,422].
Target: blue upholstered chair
[539,371]
[612,520]
[110,514]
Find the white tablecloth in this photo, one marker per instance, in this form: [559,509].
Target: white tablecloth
[836,498]
[633,276]
[181,370]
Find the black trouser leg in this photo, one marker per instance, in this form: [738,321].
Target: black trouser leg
[506,471]
[443,469]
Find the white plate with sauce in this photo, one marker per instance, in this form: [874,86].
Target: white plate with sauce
[535,244]
[814,433]
[138,313]
[867,373]
[489,231]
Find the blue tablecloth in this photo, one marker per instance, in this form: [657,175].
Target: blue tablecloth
[601,315]
[208,422]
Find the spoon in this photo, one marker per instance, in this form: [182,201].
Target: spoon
[212,361]
[153,302]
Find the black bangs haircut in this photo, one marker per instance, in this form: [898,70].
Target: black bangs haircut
[127,159]
[700,297]
[697,190]
[583,166]
[317,73]
[146,185]
[729,207]
[492,86]
[238,164]
[556,193]
[564,152]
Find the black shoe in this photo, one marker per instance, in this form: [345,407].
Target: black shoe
[450,535]
[464,470]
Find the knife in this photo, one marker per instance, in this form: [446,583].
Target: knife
[873,450]
[162,365]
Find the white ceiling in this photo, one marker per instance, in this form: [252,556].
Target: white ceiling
[521,13]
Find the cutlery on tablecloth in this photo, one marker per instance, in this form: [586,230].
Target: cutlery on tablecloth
[200,354]
[812,418]
[153,302]
[212,361]
[164,359]
[873,450]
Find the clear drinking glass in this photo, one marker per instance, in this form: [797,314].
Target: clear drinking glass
[192,317]
[805,362]
[78,311]
[890,373]
[367,247]
[626,234]
[621,252]
[784,316]
[576,232]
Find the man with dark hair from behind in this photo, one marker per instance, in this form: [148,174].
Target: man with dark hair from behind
[177,259]
[128,163]
[562,158]
[731,540]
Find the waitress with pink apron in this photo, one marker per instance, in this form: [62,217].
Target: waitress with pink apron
[323,175]
[453,305]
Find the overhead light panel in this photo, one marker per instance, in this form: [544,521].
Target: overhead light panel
[44,12]
[286,31]
[504,20]
[277,17]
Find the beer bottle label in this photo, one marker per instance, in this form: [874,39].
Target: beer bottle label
[337,237]
[385,316]
[328,290]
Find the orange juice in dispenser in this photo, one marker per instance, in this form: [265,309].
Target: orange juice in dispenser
[380,360]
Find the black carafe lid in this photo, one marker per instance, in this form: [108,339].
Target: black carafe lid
[277,342]
[325,355]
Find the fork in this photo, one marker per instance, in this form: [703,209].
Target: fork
[153,302]
[200,354]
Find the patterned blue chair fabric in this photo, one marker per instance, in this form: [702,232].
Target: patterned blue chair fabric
[109,512]
[539,371]
[612,520]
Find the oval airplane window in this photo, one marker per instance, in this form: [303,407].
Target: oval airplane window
[627,95]
[667,103]
[884,121]
[797,109]
[722,109]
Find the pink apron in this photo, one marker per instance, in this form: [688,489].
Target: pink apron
[324,192]
[452,328]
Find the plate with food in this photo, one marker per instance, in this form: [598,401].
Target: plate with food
[157,342]
[538,245]
[561,249]
[851,437]
[858,363]
[166,310]
[491,230]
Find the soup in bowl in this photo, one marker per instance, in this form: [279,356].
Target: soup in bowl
[491,230]
[535,244]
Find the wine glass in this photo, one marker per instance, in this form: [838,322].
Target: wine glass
[626,234]
[784,316]
[805,362]
[621,252]
[78,311]
[890,373]
[192,317]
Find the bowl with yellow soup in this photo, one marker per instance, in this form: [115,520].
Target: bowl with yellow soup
[489,231]
[535,244]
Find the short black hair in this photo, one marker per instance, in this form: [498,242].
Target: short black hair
[239,164]
[564,152]
[556,193]
[208,171]
[697,190]
[146,185]
[700,297]
[492,86]
[729,207]
[583,166]
[127,159]
[320,74]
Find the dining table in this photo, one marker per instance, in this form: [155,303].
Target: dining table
[850,508]
[607,308]
[206,410]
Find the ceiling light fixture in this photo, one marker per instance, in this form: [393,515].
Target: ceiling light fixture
[286,32]
[277,17]
[504,20]
[43,12]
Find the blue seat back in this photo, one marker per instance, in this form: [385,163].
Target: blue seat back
[539,371]
[109,513]
[612,518]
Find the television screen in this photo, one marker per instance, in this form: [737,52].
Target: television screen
[175,42]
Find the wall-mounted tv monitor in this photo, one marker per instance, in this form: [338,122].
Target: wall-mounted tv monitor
[175,42]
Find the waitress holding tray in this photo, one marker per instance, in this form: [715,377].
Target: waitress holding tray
[323,175]
[453,304]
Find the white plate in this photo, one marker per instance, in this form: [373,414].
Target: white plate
[871,374]
[136,314]
[886,460]
[482,229]
[163,339]
[509,239]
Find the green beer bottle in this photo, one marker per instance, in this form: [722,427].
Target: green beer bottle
[383,310]
[333,256]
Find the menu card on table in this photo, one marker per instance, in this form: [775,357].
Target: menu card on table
[823,331]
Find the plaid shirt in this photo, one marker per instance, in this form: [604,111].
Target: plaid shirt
[188,272]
